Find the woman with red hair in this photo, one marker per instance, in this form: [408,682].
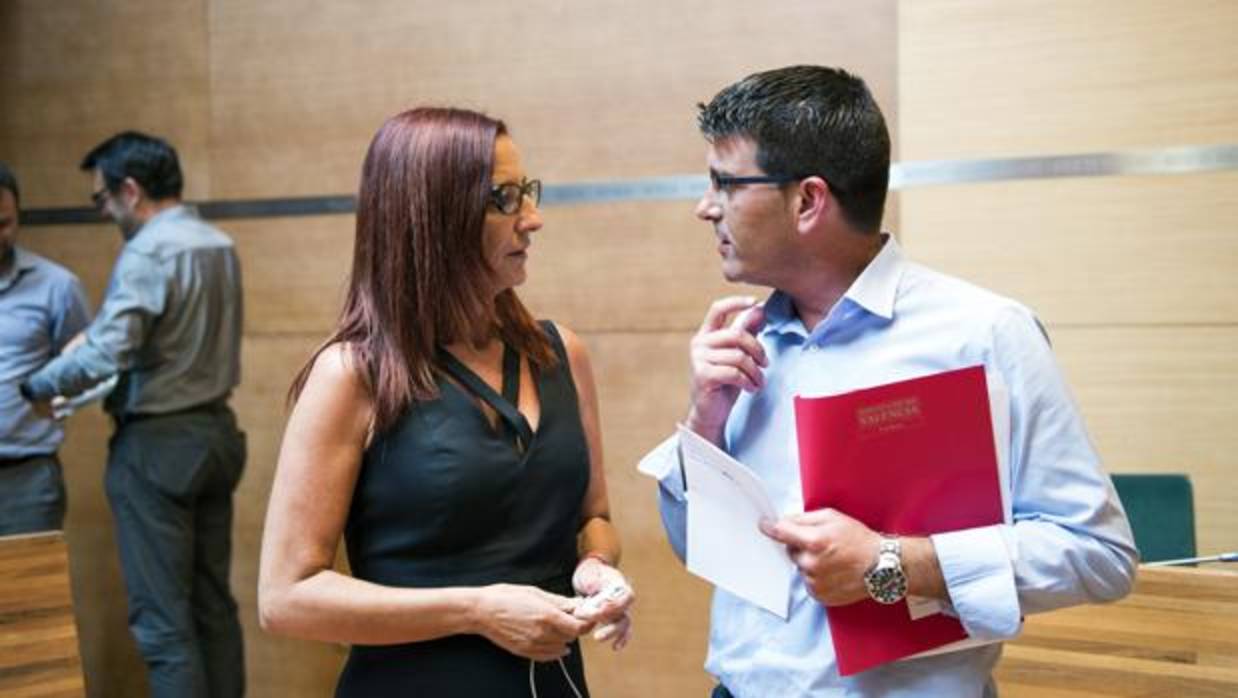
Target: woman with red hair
[450,438]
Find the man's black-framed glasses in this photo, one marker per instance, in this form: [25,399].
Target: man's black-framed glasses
[727,183]
[508,197]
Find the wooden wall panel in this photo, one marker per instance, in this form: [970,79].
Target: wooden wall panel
[1030,77]
[1135,275]
[74,73]
[591,93]
[295,271]
[1160,399]
[643,387]
[623,266]
[1105,250]
[87,250]
[269,362]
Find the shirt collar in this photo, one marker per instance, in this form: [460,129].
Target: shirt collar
[877,286]
[166,214]
[874,290]
[780,317]
[23,261]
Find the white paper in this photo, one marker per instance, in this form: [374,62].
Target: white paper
[726,502]
[63,407]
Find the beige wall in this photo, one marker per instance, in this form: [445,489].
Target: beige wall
[280,99]
[1135,276]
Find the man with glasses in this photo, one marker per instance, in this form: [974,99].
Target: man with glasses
[170,329]
[42,307]
[799,166]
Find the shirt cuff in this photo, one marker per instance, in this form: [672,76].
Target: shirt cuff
[35,390]
[665,465]
[979,574]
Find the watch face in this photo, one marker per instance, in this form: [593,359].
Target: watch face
[886,582]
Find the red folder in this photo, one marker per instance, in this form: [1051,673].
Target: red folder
[909,458]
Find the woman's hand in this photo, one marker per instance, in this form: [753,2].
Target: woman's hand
[593,576]
[528,621]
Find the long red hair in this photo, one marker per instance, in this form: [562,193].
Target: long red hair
[419,277]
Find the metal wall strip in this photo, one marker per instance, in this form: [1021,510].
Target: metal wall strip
[1164,161]
[903,175]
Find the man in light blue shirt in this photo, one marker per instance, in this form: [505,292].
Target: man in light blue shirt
[42,307]
[799,162]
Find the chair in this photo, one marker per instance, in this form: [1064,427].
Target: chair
[1162,513]
[39,653]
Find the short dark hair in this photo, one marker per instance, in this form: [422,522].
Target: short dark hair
[150,161]
[811,120]
[8,180]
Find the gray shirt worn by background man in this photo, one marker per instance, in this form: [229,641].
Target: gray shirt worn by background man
[170,323]
[42,307]
[170,329]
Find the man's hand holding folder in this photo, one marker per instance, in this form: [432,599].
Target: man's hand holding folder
[833,551]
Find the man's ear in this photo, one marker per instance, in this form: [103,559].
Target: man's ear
[131,191]
[816,203]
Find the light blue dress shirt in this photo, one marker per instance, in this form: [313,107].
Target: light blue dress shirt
[1069,542]
[42,306]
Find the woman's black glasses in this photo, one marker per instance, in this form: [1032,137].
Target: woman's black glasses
[509,196]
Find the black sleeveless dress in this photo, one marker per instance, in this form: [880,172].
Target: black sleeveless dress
[445,499]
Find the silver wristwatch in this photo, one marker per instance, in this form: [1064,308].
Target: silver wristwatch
[885,580]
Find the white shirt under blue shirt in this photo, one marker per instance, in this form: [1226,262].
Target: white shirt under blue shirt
[1069,542]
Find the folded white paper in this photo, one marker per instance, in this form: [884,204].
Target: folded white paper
[726,502]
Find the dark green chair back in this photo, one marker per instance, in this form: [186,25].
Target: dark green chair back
[1161,510]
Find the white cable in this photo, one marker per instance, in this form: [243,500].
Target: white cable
[563,667]
[589,606]
[567,676]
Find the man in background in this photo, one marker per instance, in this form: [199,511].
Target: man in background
[170,328]
[799,162]
[42,307]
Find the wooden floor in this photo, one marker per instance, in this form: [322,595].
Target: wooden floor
[1176,635]
[38,637]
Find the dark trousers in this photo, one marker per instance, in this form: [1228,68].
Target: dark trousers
[170,481]
[32,496]
[720,692]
